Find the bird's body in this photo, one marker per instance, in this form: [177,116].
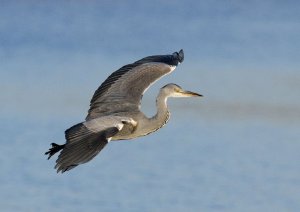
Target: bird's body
[145,125]
[115,113]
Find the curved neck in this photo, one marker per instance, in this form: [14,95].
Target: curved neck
[162,115]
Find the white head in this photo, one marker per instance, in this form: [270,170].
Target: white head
[173,90]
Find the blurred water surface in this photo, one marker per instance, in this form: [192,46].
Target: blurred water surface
[236,149]
[208,166]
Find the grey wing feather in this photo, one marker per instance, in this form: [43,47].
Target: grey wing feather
[85,140]
[123,89]
[126,92]
[82,146]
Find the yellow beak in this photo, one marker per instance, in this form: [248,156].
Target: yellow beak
[191,94]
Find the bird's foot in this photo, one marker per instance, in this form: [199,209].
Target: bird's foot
[55,148]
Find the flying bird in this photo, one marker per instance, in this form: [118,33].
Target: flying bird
[115,113]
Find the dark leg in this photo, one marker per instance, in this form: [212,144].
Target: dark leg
[55,148]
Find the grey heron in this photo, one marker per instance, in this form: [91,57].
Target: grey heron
[115,113]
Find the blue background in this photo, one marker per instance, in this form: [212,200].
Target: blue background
[236,149]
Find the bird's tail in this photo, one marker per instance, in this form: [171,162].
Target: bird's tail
[54,149]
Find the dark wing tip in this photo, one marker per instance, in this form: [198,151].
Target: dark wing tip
[171,59]
[67,168]
[179,56]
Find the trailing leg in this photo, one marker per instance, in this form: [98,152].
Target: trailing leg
[55,148]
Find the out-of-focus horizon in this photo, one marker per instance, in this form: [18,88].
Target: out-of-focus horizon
[236,149]
[243,56]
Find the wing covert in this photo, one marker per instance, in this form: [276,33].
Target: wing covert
[123,89]
[87,139]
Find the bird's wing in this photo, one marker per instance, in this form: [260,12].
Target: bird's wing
[87,139]
[123,90]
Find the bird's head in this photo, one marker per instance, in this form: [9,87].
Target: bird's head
[173,90]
